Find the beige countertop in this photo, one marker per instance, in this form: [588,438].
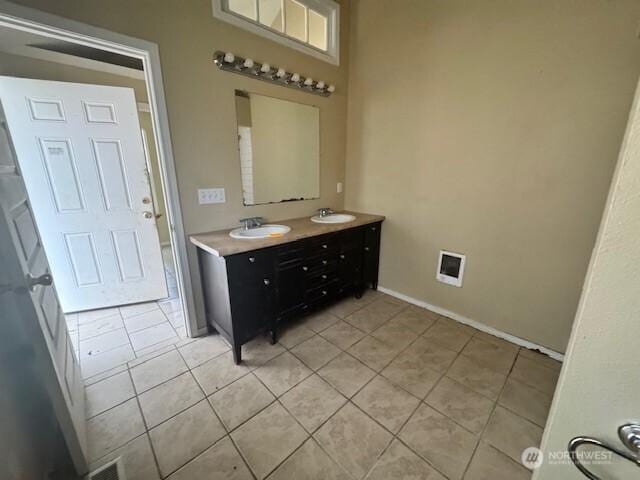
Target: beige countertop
[219,243]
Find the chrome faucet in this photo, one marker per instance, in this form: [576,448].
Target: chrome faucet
[325,211]
[251,222]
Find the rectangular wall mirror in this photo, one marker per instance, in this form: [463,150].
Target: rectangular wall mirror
[279,144]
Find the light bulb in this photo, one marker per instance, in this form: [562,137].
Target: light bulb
[265,68]
[320,85]
[229,57]
[295,77]
[248,63]
[281,73]
[308,81]
[331,88]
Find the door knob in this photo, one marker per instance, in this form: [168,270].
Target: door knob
[147,214]
[44,280]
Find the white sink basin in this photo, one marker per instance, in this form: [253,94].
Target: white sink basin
[334,218]
[264,231]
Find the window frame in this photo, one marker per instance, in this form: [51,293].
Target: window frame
[328,8]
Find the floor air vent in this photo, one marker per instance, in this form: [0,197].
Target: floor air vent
[111,471]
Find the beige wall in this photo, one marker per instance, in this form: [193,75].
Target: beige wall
[201,103]
[19,66]
[491,129]
[598,389]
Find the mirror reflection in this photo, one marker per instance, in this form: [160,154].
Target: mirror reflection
[279,144]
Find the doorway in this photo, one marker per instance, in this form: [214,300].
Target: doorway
[104,200]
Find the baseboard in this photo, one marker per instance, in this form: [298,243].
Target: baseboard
[475,324]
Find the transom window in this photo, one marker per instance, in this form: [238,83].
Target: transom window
[311,26]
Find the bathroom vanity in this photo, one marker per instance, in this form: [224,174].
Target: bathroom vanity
[252,286]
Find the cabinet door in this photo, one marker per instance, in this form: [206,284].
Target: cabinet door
[252,309]
[350,270]
[371,255]
[291,285]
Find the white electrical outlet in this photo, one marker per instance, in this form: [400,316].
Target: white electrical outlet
[210,195]
[339,187]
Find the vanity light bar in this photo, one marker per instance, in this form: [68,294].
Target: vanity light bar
[267,73]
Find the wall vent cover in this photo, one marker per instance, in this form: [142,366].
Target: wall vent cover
[450,268]
[113,470]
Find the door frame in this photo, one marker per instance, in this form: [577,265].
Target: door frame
[34,21]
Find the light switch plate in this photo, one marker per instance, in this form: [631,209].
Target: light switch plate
[339,187]
[211,195]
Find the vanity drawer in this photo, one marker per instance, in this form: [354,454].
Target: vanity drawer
[319,279]
[321,263]
[322,293]
[323,245]
[250,268]
[290,253]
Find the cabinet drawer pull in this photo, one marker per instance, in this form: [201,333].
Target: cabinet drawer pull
[324,277]
[266,281]
[324,262]
[324,245]
[373,229]
[324,292]
[366,249]
[342,257]
[252,259]
[305,268]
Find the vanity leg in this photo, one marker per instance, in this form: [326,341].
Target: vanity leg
[359,293]
[274,337]
[237,353]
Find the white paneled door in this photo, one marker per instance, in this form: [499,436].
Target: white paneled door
[82,158]
[32,326]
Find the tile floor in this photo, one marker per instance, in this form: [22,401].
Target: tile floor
[371,388]
[107,338]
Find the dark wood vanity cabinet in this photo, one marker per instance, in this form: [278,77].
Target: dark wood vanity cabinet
[253,292]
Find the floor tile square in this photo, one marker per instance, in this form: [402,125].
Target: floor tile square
[312,402]
[490,464]
[137,458]
[157,370]
[342,335]
[169,398]
[439,440]
[373,353]
[144,320]
[138,308]
[309,462]
[108,393]
[415,318]
[373,315]
[526,402]
[387,404]
[240,400]
[268,438]
[218,372]
[220,462]
[412,373]
[535,375]
[494,356]
[447,336]
[282,373]
[103,343]
[435,356]
[540,358]
[316,352]
[259,351]
[206,348]
[294,334]
[478,378]
[346,374]
[93,365]
[353,440]
[398,462]
[169,306]
[93,315]
[320,321]
[485,337]
[511,434]
[450,322]
[153,335]
[461,404]
[114,428]
[395,335]
[98,327]
[183,437]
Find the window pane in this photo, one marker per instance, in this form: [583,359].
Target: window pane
[246,8]
[296,20]
[271,14]
[317,30]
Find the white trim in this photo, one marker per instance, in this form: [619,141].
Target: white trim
[332,55]
[475,324]
[52,26]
